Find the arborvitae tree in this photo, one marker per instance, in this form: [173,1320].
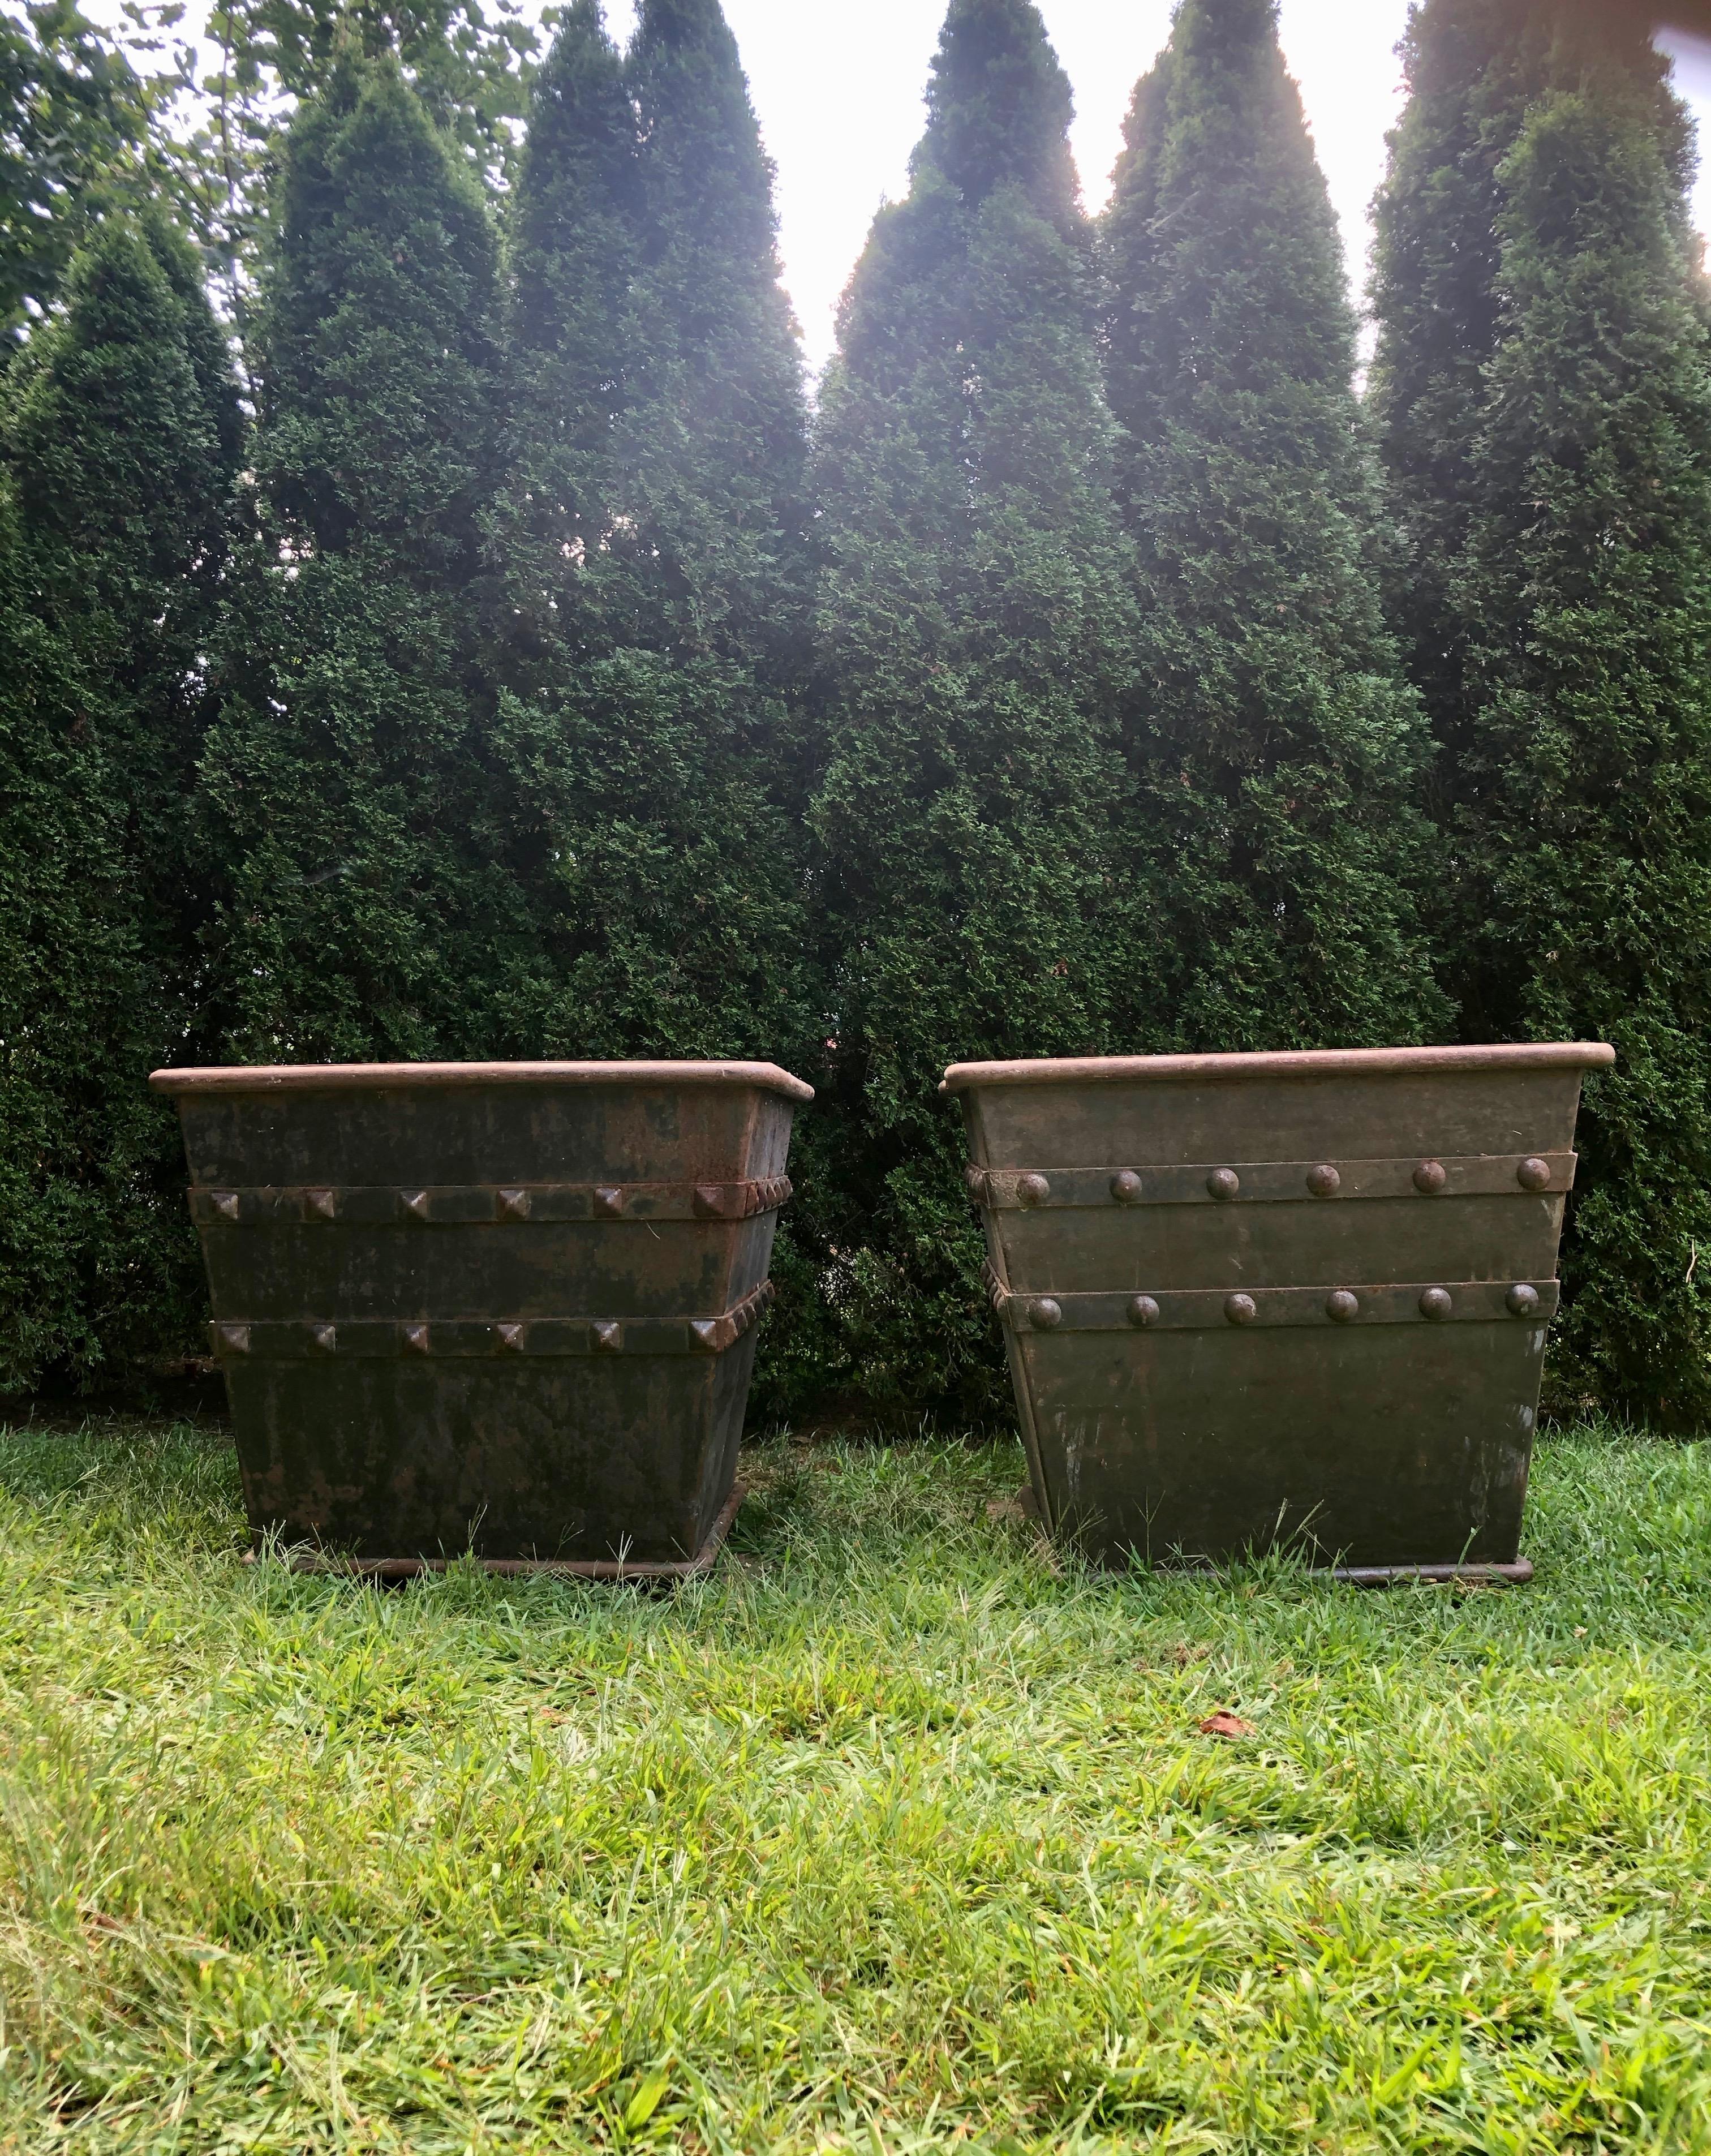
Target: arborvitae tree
[1281,751]
[1470,66]
[1582,790]
[652,527]
[120,440]
[367,914]
[974,631]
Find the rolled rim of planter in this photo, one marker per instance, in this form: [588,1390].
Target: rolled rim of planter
[309,1077]
[1283,1063]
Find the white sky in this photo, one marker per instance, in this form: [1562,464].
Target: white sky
[837,88]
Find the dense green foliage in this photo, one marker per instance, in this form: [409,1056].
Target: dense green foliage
[1574,572]
[652,531]
[120,440]
[1281,751]
[981,893]
[895,1833]
[346,792]
[536,694]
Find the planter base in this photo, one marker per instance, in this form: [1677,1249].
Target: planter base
[1516,1574]
[602,1568]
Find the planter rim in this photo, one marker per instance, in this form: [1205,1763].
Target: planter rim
[374,1077]
[1287,1063]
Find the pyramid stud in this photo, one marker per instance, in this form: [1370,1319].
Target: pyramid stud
[609,1335]
[320,1204]
[513,1205]
[325,1337]
[608,1202]
[225,1204]
[510,1338]
[416,1203]
[234,1338]
[704,1331]
[416,1339]
[709,1201]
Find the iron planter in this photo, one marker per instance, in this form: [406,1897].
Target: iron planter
[504,1309]
[1294,1299]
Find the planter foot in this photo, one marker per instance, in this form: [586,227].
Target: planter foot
[1516,1574]
[306,1559]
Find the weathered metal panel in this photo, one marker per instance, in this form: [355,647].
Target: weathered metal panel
[1297,1300]
[501,1309]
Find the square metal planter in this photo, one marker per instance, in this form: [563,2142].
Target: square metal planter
[502,1309]
[1292,1300]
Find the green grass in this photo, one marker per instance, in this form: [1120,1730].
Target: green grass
[895,1834]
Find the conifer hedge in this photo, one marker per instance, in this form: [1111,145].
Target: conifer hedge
[1564,594]
[517,678]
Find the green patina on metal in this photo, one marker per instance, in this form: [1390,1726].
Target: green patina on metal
[1297,1301]
[501,1309]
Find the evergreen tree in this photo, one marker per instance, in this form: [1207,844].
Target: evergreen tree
[1280,749]
[1582,792]
[119,439]
[1470,66]
[975,626]
[367,913]
[652,528]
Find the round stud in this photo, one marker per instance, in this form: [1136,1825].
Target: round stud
[1241,1309]
[1043,1314]
[1342,1307]
[1033,1189]
[1125,1187]
[1143,1310]
[1436,1303]
[1324,1181]
[1522,1300]
[1223,1182]
[1533,1174]
[1430,1178]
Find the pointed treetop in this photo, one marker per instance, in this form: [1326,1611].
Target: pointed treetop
[709,180]
[999,107]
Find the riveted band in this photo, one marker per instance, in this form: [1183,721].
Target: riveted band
[1240,1182]
[477,1204]
[1335,1306]
[316,1339]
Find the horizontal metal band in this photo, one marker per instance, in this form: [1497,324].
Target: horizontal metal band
[1212,1182]
[321,1340]
[479,1204]
[1190,1310]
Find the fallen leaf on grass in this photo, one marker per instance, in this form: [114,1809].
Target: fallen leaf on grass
[1005,1508]
[1182,1654]
[1225,1724]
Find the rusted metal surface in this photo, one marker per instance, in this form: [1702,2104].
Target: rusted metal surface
[500,1309]
[1297,1300]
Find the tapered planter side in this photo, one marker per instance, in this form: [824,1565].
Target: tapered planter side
[499,1309]
[1298,1301]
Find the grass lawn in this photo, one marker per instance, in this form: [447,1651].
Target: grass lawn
[894,1835]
